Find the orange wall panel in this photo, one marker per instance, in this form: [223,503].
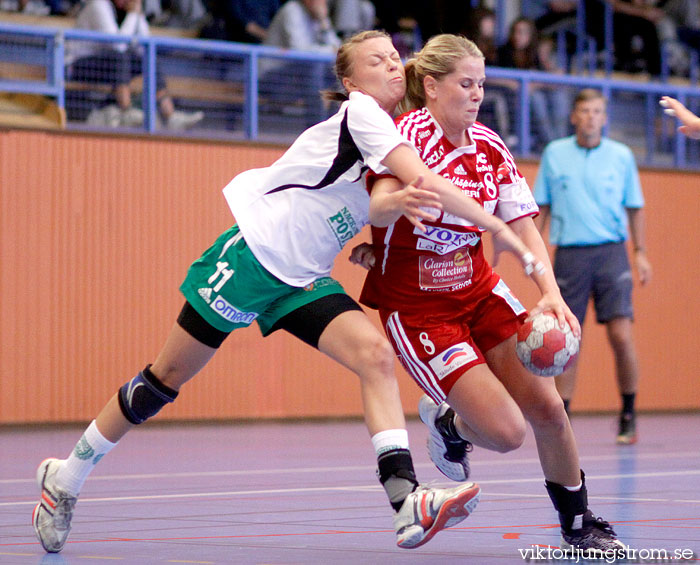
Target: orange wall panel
[96,234]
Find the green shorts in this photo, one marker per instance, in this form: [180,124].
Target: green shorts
[230,289]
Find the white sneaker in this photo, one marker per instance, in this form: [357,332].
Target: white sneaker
[131,118]
[109,116]
[450,456]
[51,517]
[180,120]
[426,511]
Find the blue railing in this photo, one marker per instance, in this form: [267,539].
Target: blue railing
[635,117]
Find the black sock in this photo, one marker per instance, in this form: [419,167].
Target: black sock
[628,403]
[396,473]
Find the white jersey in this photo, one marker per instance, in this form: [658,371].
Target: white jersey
[298,213]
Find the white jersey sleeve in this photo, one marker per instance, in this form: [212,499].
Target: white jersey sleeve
[373,131]
[515,200]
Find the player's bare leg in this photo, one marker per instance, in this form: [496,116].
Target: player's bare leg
[557,450]
[61,480]
[542,406]
[488,415]
[566,382]
[621,340]
[181,358]
[479,411]
[352,340]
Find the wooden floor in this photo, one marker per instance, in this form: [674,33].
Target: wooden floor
[303,493]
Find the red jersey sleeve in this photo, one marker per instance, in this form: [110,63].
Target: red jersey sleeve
[373,177]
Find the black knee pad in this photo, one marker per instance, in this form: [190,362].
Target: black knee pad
[144,396]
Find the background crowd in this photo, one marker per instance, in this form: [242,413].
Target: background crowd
[531,35]
[640,27]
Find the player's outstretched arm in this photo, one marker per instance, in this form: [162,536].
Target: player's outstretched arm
[691,122]
[403,162]
[390,200]
[551,299]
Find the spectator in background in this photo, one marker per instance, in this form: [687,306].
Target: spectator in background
[399,19]
[686,15]
[635,37]
[186,14]
[351,16]
[552,17]
[443,16]
[119,63]
[303,25]
[549,104]
[494,110]
[679,31]
[589,186]
[244,21]
[415,22]
[549,15]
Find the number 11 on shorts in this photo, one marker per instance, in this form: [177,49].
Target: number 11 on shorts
[221,270]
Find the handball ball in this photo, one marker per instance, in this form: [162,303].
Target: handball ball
[544,348]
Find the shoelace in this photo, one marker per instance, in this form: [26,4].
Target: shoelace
[602,525]
[64,511]
[456,448]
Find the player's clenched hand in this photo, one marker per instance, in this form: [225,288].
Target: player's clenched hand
[417,203]
[363,255]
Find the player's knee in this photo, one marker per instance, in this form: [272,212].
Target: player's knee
[621,344]
[548,412]
[383,354]
[144,396]
[510,436]
[375,356]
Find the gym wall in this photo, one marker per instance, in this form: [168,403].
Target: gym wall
[97,232]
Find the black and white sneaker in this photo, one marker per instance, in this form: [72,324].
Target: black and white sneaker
[593,538]
[627,430]
[449,453]
[52,516]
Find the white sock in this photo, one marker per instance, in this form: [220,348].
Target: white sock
[91,447]
[389,440]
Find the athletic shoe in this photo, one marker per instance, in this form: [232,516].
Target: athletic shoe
[52,516]
[593,537]
[426,511]
[132,118]
[449,454]
[180,120]
[627,432]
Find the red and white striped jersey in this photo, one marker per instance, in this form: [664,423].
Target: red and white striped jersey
[446,264]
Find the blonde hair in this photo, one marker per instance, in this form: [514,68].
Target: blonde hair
[589,94]
[438,58]
[344,61]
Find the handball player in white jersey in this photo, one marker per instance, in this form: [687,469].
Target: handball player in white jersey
[450,317]
[273,267]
